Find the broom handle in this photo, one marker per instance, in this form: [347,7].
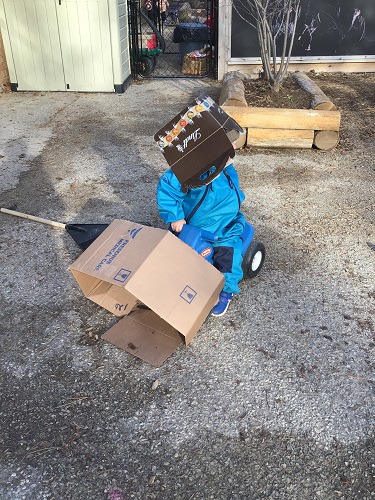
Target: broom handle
[32,217]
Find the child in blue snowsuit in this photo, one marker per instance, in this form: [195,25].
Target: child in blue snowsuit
[214,208]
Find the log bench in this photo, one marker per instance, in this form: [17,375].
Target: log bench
[280,127]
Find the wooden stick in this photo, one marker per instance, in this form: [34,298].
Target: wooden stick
[33,218]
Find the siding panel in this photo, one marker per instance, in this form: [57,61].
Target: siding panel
[86,44]
[33,31]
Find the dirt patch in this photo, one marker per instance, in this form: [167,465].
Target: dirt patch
[258,93]
[354,96]
[352,93]
[345,90]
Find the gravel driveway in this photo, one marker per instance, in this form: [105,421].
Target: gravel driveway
[274,400]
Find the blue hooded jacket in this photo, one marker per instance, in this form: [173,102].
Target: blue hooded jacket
[219,212]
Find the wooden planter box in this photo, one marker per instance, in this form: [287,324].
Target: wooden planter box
[280,127]
[288,128]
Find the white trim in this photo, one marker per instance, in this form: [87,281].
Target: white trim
[306,60]
[224,37]
[114,30]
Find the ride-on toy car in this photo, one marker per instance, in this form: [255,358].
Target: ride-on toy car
[253,251]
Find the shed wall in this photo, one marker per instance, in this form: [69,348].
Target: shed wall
[124,39]
[83,48]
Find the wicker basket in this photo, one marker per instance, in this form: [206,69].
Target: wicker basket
[195,65]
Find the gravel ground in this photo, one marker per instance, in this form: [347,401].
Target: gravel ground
[274,400]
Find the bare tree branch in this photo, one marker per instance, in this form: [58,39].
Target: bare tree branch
[275,22]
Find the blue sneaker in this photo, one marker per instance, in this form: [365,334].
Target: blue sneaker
[221,307]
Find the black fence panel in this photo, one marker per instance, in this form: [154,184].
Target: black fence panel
[173,39]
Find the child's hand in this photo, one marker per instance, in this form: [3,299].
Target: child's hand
[178,225]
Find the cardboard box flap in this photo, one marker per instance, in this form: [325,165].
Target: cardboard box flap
[145,335]
[104,258]
[225,121]
[87,283]
[115,299]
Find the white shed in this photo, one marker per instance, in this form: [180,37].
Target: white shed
[66,45]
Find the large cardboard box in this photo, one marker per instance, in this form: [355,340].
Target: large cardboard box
[130,265]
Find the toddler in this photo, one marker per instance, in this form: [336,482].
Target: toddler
[214,207]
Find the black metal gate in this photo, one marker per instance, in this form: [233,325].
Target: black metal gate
[173,38]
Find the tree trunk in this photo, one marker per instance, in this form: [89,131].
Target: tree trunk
[233,94]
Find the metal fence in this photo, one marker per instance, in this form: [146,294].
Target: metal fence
[172,39]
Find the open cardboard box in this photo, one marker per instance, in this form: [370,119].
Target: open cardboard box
[130,264]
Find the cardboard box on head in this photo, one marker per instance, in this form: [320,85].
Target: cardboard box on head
[197,140]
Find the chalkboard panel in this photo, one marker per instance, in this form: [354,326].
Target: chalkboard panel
[333,28]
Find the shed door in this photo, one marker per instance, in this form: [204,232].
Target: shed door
[34,36]
[86,44]
[61,44]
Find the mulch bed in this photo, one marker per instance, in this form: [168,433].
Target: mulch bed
[258,93]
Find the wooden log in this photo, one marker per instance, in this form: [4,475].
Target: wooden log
[232,74]
[281,118]
[232,90]
[318,98]
[326,139]
[233,94]
[279,138]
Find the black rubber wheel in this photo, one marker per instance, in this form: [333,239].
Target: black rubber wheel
[253,259]
[146,66]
